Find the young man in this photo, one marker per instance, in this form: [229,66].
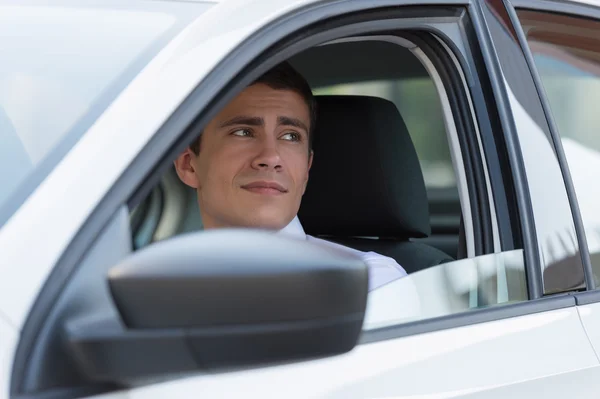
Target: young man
[250,167]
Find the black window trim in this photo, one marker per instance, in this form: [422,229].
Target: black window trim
[511,142]
[558,148]
[239,68]
[587,297]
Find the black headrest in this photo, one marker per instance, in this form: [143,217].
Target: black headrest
[366,179]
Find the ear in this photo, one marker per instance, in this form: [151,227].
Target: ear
[186,169]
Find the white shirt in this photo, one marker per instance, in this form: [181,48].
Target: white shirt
[382,269]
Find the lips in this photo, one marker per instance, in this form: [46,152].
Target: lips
[265,187]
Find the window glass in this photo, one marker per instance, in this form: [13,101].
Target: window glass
[566,51]
[418,103]
[62,65]
[449,288]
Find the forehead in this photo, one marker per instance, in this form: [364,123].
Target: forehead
[261,100]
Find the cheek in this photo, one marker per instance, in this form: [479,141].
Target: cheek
[300,167]
[218,171]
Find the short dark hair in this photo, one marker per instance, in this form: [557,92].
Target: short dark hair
[283,77]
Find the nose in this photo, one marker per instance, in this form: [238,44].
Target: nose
[268,158]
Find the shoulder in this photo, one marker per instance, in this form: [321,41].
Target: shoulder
[382,269]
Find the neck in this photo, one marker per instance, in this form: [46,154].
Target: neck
[292,229]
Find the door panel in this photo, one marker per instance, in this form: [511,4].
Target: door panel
[567,385]
[522,355]
[590,317]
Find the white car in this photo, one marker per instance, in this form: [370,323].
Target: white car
[485,189]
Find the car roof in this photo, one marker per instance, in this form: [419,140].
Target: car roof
[588,2]
[264,7]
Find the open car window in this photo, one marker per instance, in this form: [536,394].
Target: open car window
[452,287]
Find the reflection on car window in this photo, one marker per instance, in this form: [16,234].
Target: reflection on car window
[63,64]
[449,288]
[566,51]
[417,100]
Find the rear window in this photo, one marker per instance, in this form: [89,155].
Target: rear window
[62,65]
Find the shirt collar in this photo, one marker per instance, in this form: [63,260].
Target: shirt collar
[293,229]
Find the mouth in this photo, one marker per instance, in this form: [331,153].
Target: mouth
[265,187]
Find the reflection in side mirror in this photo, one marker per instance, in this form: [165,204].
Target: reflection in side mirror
[224,298]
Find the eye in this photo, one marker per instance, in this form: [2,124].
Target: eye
[292,136]
[242,133]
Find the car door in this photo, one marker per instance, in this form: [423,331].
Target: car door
[565,54]
[485,326]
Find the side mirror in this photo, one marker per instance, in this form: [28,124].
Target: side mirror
[223,298]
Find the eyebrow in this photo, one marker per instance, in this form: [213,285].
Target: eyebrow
[243,120]
[258,121]
[287,121]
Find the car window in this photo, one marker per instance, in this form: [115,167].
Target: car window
[452,287]
[435,290]
[62,65]
[417,100]
[566,51]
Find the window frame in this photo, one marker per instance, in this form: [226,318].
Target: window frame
[572,10]
[514,77]
[566,9]
[265,48]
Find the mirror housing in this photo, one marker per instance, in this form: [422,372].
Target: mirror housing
[220,299]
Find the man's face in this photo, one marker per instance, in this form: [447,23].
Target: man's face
[254,159]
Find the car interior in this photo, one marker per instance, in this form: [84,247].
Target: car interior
[377,100]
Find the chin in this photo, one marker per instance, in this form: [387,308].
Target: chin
[269,221]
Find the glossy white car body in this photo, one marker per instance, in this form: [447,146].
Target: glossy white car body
[516,356]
